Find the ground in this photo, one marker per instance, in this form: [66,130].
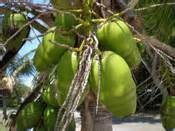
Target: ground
[138,122]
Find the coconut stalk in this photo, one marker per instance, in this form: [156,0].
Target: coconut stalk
[95,117]
[92,120]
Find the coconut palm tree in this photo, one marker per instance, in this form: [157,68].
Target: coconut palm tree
[145,18]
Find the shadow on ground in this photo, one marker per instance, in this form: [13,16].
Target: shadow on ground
[140,117]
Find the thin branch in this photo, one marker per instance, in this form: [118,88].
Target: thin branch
[143,82]
[76,90]
[63,45]
[99,72]
[154,43]
[35,34]
[20,68]
[101,5]
[132,4]
[154,6]
[20,29]
[168,50]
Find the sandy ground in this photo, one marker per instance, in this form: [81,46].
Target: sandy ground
[139,122]
[138,127]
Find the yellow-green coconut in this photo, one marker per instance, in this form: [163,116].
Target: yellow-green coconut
[11,23]
[116,36]
[118,89]
[48,54]
[29,116]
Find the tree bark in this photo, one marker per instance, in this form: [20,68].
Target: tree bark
[4,107]
[172,91]
[92,121]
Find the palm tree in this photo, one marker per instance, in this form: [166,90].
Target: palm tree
[10,81]
[145,18]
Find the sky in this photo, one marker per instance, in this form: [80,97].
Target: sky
[30,45]
[40,1]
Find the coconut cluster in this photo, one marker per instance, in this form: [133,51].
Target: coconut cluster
[119,54]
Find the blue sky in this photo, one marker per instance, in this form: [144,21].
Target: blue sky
[30,45]
[40,1]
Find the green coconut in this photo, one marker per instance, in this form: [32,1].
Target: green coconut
[50,96]
[168,112]
[30,116]
[50,115]
[117,37]
[134,59]
[50,53]
[66,4]
[118,90]
[11,23]
[39,58]
[65,21]
[66,70]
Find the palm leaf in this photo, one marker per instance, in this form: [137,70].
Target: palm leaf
[20,67]
[158,21]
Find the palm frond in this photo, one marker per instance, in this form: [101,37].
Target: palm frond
[26,68]
[158,21]
[20,67]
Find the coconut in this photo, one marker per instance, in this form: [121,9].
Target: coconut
[50,96]
[48,52]
[50,115]
[117,37]
[168,112]
[65,21]
[118,90]
[11,23]
[66,69]
[29,116]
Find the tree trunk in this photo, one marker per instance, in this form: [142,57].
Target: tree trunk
[172,91]
[4,107]
[92,121]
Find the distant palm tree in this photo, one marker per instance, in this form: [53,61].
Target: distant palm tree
[18,68]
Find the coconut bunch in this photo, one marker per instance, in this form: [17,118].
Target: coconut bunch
[119,54]
[29,116]
[63,48]
[40,115]
[14,32]
[50,52]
